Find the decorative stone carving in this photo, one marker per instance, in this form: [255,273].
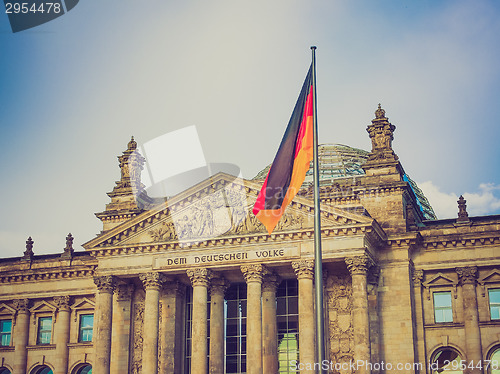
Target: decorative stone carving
[304,269]
[253,273]
[165,232]
[124,292]
[358,264]
[62,302]
[68,250]
[152,280]
[467,274]
[381,135]
[105,283]
[417,277]
[137,332]
[199,276]
[174,288]
[463,216]
[21,305]
[28,253]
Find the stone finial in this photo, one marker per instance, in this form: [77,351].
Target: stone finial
[132,145]
[381,134]
[68,250]
[463,216]
[28,253]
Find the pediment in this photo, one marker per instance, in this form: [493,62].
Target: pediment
[83,304]
[5,309]
[439,280]
[220,206]
[42,307]
[491,277]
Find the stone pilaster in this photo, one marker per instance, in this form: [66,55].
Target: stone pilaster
[61,334]
[304,270]
[358,267]
[417,278]
[152,283]
[253,277]
[269,327]
[467,276]
[103,322]
[120,342]
[21,334]
[217,288]
[200,280]
[172,301]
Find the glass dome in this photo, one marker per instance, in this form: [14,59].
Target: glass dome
[341,161]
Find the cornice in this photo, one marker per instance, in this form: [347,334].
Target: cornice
[462,241]
[47,274]
[406,239]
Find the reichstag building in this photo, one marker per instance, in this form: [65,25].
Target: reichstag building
[193,283]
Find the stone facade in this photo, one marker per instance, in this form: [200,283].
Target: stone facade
[399,289]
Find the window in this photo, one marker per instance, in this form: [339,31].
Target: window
[442,307]
[5,331]
[86,328]
[287,315]
[44,331]
[4,371]
[447,361]
[494,296]
[495,362]
[87,369]
[235,315]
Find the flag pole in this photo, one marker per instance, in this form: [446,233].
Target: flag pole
[318,271]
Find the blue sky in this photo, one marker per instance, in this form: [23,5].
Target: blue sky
[75,89]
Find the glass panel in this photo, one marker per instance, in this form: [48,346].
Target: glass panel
[494,296]
[4,371]
[235,320]
[85,370]
[442,307]
[495,362]
[442,299]
[45,370]
[86,327]
[44,330]
[446,361]
[287,319]
[5,332]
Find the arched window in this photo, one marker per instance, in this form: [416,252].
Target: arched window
[87,369]
[42,370]
[495,362]
[446,360]
[4,371]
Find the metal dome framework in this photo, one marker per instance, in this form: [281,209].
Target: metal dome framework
[342,161]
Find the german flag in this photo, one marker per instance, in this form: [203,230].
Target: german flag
[288,170]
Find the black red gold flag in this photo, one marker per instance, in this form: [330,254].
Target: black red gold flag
[291,163]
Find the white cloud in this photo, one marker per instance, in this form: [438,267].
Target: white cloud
[484,201]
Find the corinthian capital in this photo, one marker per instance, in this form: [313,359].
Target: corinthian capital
[418,277]
[199,276]
[358,264]
[62,302]
[467,274]
[105,283]
[152,280]
[21,305]
[253,273]
[271,282]
[218,286]
[304,269]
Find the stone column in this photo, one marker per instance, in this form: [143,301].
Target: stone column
[120,342]
[61,334]
[358,267]
[21,330]
[102,323]
[304,269]
[200,279]
[171,339]
[467,276]
[417,278]
[253,277]
[269,326]
[217,288]
[152,283]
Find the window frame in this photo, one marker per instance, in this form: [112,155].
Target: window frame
[496,305]
[2,334]
[38,330]
[82,329]
[440,308]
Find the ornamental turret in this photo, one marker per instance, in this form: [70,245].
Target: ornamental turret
[128,197]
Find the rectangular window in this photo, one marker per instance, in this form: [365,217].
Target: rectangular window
[86,328]
[287,314]
[44,330]
[494,297]
[5,332]
[442,307]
